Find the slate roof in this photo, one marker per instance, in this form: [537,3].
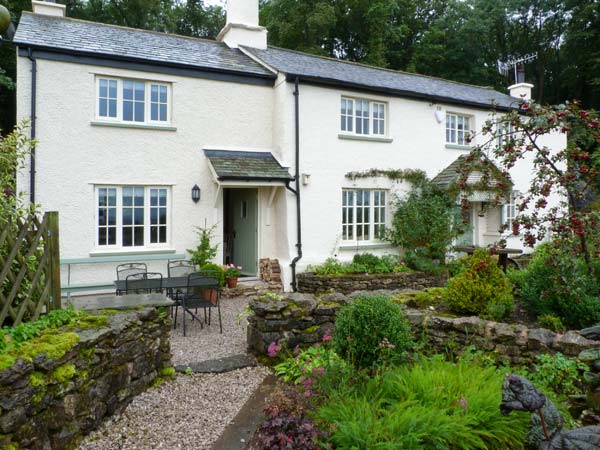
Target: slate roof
[334,71]
[450,175]
[246,166]
[96,39]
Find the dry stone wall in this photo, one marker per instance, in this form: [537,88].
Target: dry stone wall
[50,404]
[298,319]
[308,282]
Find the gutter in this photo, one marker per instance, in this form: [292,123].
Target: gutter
[32,124]
[296,191]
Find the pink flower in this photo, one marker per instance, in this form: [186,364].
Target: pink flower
[327,338]
[239,267]
[319,371]
[273,349]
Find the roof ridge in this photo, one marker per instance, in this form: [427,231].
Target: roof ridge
[123,27]
[383,69]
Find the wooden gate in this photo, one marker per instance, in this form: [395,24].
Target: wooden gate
[29,268]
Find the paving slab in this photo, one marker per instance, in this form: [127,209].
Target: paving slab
[220,365]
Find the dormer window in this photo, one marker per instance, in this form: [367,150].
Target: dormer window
[363,117]
[133,101]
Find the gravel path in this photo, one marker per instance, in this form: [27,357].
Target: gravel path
[188,413]
[204,344]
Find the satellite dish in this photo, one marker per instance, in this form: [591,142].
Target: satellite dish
[4,20]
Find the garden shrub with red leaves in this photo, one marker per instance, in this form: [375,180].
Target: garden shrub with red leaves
[287,425]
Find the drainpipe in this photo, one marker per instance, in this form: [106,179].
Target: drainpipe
[297,190]
[32,124]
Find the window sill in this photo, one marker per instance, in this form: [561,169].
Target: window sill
[141,252]
[352,137]
[96,123]
[458,147]
[368,245]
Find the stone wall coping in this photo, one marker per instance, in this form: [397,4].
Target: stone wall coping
[124,302]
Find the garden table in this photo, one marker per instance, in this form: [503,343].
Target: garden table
[501,252]
[168,283]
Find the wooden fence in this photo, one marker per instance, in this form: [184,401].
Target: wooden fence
[29,268]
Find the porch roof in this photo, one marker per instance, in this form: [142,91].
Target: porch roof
[451,174]
[246,166]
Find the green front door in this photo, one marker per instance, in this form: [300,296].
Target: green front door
[244,207]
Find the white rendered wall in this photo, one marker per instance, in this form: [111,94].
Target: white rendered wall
[418,143]
[73,155]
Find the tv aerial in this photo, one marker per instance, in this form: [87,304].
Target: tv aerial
[518,64]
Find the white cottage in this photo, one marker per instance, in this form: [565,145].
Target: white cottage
[143,136]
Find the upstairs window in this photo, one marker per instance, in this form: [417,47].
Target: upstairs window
[133,101]
[363,117]
[458,128]
[363,214]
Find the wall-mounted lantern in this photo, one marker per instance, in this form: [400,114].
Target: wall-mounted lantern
[196,193]
[305,179]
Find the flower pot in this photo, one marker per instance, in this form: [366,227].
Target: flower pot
[211,295]
[231,282]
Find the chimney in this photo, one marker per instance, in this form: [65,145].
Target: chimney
[242,26]
[521,89]
[48,8]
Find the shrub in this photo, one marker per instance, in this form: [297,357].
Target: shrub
[217,268]
[557,283]
[481,288]
[205,251]
[559,374]
[305,363]
[551,322]
[372,331]
[361,263]
[432,405]
[430,297]
[287,425]
[425,222]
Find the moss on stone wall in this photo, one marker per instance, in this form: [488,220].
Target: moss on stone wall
[53,343]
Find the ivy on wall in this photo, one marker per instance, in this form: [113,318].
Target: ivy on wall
[415,176]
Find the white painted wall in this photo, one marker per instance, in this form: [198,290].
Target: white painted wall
[73,155]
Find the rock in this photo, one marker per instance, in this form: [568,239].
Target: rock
[540,339]
[590,355]
[220,365]
[591,333]
[12,419]
[572,343]
[16,372]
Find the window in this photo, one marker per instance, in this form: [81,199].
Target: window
[505,131]
[363,117]
[363,214]
[133,101]
[132,216]
[509,210]
[458,128]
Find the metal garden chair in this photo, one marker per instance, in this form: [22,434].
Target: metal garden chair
[178,268]
[124,270]
[144,283]
[203,291]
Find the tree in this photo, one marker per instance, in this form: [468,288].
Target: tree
[568,172]
[424,223]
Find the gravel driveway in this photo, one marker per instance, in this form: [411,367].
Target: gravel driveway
[192,411]
[187,414]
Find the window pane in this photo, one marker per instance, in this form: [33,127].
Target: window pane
[163,113]
[113,89]
[163,94]
[139,112]
[140,89]
[127,90]
[163,235]
[102,236]
[128,111]
[154,111]
[153,216]
[139,216]
[153,235]
[103,88]
[112,108]
[163,216]
[139,236]
[127,237]
[154,93]
[127,216]
[139,196]
[112,236]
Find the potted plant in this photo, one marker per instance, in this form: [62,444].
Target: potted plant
[232,272]
[212,295]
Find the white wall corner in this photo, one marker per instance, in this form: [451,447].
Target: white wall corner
[521,90]
[48,8]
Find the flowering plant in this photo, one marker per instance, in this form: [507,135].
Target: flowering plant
[233,271]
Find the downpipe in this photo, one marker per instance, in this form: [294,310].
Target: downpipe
[297,189]
[32,125]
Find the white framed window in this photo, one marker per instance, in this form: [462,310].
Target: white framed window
[132,216]
[458,128]
[509,210]
[133,101]
[505,131]
[364,213]
[363,117]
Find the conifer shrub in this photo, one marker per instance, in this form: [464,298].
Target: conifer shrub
[372,331]
[481,288]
